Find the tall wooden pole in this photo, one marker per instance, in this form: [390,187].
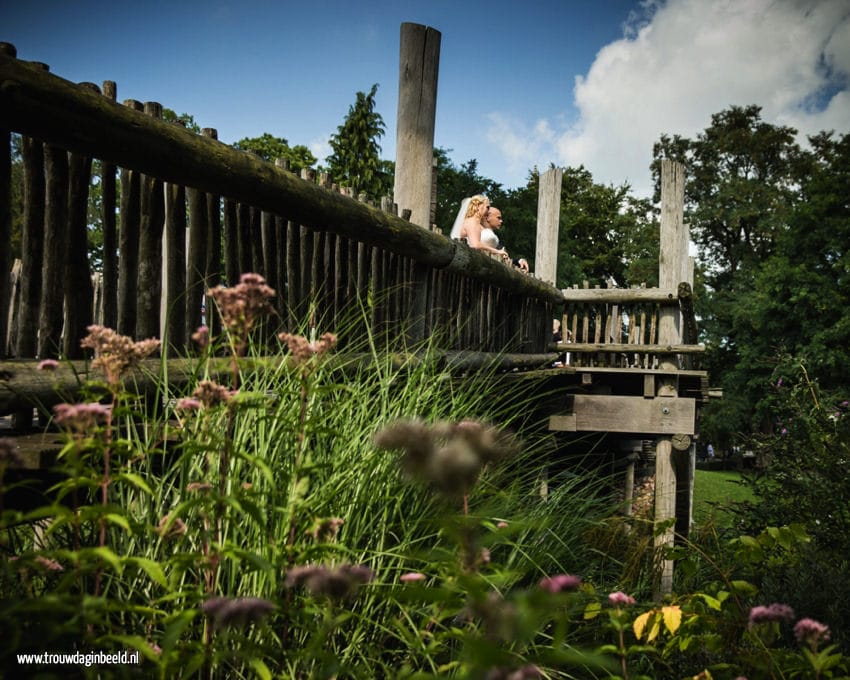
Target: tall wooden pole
[419,61]
[548,215]
[672,256]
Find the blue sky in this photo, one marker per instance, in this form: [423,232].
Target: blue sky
[522,82]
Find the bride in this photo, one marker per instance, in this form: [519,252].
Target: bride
[469,225]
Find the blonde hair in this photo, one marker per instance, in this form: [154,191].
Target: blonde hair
[474,203]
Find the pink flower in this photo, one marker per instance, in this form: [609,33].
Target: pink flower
[201,336]
[774,613]
[501,525]
[810,632]
[187,404]
[412,577]
[555,584]
[80,417]
[48,365]
[620,599]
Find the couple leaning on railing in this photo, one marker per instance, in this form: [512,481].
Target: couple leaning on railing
[477,223]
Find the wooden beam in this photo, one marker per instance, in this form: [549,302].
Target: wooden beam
[607,413]
[626,348]
[621,295]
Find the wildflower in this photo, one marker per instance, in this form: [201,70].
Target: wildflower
[169,528]
[115,353]
[325,529]
[451,456]
[620,599]
[501,525]
[187,404]
[9,454]
[198,486]
[779,382]
[243,304]
[773,613]
[48,365]
[236,611]
[784,431]
[210,393]
[201,336]
[811,632]
[302,350]
[49,564]
[484,556]
[336,583]
[556,584]
[80,417]
[412,577]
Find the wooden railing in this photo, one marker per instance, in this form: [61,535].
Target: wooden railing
[618,327]
[329,256]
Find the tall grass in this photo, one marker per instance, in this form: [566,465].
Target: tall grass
[225,501]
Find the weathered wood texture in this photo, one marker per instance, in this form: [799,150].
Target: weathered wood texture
[548,216]
[419,61]
[618,328]
[336,262]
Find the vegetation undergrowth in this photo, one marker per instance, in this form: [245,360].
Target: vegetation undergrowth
[315,517]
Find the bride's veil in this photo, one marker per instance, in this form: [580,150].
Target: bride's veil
[461,215]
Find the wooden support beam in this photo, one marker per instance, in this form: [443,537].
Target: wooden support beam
[637,415]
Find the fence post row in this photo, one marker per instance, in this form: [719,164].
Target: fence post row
[327,254]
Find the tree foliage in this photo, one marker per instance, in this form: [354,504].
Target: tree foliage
[270,148]
[355,161]
[771,222]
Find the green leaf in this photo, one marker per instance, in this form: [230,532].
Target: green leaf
[120,520]
[136,481]
[151,567]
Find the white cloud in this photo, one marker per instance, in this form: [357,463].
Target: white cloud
[685,60]
[320,147]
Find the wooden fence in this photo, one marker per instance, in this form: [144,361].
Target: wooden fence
[182,212]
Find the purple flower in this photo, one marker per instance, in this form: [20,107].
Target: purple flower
[555,584]
[230,611]
[784,431]
[620,599]
[779,383]
[80,417]
[412,577]
[810,632]
[772,613]
[336,583]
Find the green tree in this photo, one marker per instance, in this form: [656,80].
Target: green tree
[185,119]
[355,161]
[270,148]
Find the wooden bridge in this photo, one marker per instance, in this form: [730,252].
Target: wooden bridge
[189,203]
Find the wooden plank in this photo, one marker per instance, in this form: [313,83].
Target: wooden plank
[607,413]
[625,347]
[621,295]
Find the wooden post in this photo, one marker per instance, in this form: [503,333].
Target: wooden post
[196,258]
[5,224]
[548,215]
[79,304]
[55,246]
[419,60]
[110,231]
[128,264]
[670,268]
[32,247]
[174,255]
